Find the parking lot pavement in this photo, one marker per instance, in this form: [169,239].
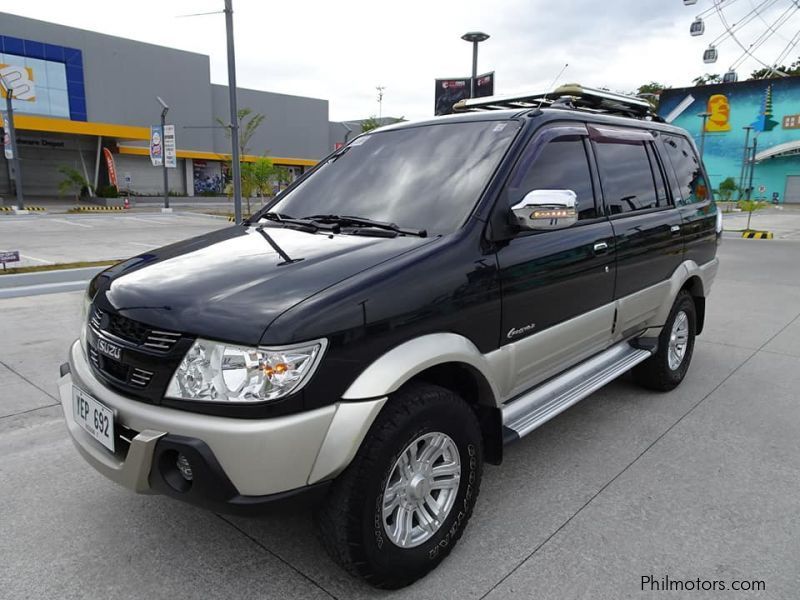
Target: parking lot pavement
[782,221]
[48,239]
[702,482]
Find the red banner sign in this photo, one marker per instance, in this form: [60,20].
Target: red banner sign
[112,170]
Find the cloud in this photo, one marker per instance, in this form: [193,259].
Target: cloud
[340,51]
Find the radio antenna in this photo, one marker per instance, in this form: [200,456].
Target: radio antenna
[552,85]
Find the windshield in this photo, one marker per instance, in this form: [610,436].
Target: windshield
[427,177]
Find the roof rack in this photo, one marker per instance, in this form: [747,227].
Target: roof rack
[570,96]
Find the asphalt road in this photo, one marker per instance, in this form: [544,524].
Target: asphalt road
[703,482]
[48,239]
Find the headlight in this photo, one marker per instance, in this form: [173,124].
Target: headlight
[219,372]
[87,303]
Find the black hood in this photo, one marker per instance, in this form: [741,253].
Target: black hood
[231,284]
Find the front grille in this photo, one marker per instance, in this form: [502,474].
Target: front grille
[133,331]
[125,436]
[114,368]
[140,377]
[94,357]
[147,356]
[161,340]
[127,329]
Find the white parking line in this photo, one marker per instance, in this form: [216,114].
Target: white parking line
[145,220]
[72,223]
[141,244]
[41,260]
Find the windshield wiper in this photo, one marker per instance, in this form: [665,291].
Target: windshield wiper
[305,224]
[346,220]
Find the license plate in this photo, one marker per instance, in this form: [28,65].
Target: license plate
[94,417]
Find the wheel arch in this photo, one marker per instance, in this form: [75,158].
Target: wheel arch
[694,285]
[448,360]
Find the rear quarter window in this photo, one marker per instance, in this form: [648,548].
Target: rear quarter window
[692,184]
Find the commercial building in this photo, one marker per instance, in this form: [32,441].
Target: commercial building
[770,107]
[78,92]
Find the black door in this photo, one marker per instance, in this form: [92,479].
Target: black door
[551,277]
[647,227]
[692,194]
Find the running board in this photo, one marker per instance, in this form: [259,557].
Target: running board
[527,412]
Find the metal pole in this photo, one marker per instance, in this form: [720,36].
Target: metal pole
[164,159]
[12,137]
[235,158]
[752,166]
[744,160]
[705,116]
[474,69]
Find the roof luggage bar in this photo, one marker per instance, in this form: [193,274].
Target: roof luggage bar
[570,96]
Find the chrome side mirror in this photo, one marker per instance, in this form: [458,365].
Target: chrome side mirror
[546,210]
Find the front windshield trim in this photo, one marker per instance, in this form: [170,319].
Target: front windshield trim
[516,123]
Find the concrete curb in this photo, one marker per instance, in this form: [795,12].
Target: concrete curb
[46,282]
[752,234]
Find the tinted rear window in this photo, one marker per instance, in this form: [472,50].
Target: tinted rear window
[626,177]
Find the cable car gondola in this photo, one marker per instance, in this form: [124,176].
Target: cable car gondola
[698,27]
[710,55]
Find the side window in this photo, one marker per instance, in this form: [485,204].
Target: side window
[563,165]
[692,186]
[626,176]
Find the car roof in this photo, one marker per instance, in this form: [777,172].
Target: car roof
[547,114]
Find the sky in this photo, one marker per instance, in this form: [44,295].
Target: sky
[342,50]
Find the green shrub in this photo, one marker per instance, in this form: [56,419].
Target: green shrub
[107,191]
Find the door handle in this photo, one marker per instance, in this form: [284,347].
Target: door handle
[675,229]
[600,248]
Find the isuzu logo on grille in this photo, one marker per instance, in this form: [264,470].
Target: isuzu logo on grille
[109,349]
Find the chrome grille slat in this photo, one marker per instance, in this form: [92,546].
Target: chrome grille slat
[140,377]
[134,332]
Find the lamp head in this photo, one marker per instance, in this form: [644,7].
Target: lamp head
[475,36]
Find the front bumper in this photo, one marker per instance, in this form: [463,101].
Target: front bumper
[240,463]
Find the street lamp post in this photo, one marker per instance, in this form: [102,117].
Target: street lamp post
[12,139]
[476,37]
[752,168]
[164,111]
[704,116]
[235,165]
[747,130]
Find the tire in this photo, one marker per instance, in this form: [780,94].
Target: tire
[663,372]
[351,522]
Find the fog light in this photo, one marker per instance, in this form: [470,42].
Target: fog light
[184,466]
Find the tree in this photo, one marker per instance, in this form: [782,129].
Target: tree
[765,73]
[73,182]
[650,92]
[749,206]
[248,122]
[707,79]
[727,188]
[257,179]
[369,124]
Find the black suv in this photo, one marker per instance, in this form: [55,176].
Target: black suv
[424,296]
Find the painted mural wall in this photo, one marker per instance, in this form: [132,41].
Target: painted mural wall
[771,107]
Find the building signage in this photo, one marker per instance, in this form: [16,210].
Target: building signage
[20,79]
[156,148]
[9,256]
[169,147]
[450,91]
[791,121]
[112,169]
[7,148]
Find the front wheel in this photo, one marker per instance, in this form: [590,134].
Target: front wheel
[399,508]
[668,366]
